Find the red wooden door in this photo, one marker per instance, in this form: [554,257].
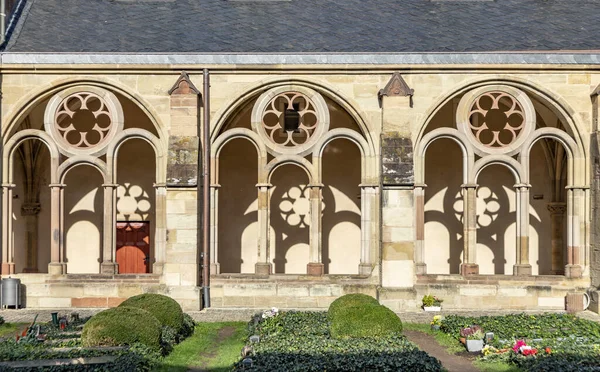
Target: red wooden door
[133,247]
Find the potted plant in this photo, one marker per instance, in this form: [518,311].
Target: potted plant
[436,322]
[431,303]
[474,336]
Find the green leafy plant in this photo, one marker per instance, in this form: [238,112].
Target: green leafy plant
[477,335]
[122,326]
[164,308]
[349,300]
[430,300]
[366,320]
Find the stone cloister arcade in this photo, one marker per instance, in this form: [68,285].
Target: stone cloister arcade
[500,187]
[81,159]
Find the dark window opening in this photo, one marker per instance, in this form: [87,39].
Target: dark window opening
[291,119]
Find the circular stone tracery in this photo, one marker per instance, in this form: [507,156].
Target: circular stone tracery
[83,120]
[496,119]
[290,119]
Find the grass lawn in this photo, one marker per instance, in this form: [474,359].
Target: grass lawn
[213,346]
[11,329]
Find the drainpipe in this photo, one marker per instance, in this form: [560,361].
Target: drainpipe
[206,194]
[2,21]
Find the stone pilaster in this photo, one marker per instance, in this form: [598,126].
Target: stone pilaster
[369,209]
[522,267]
[263,264]
[109,244]
[160,232]
[8,262]
[57,264]
[215,267]
[575,231]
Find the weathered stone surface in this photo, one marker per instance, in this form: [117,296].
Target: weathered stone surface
[397,160]
[595,212]
[182,164]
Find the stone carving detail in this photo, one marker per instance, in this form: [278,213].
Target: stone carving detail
[496,119]
[557,208]
[30,209]
[273,119]
[83,120]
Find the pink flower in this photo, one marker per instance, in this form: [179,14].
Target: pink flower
[518,345]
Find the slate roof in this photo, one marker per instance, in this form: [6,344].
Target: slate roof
[305,26]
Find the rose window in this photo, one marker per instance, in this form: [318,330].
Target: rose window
[290,119]
[496,119]
[83,120]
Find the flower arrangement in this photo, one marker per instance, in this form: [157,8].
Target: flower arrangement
[472,333]
[437,320]
[270,313]
[430,300]
[521,347]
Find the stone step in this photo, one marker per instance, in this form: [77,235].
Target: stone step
[58,362]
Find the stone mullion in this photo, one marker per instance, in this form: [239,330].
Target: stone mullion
[109,264]
[557,213]
[56,265]
[160,233]
[215,267]
[575,205]
[263,264]
[522,266]
[315,265]
[8,264]
[421,266]
[469,265]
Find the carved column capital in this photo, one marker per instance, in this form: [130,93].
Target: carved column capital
[30,209]
[557,208]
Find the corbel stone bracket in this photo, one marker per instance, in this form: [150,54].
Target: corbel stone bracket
[184,85]
[396,87]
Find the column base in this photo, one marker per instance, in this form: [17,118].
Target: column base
[55,268]
[8,268]
[365,269]
[520,270]
[469,269]
[315,269]
[109,268]
[158,268]
[421,268]
[262,268]
[215,268]
[573,271]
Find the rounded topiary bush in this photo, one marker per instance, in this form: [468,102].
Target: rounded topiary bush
[349,300]
[367,320]
[122,326]
[164,308]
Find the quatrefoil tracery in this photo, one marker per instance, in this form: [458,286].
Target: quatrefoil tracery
[274,114]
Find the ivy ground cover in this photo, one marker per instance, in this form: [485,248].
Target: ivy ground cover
[546,342]
[301,341]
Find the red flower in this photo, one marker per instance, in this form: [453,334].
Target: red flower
[548,350]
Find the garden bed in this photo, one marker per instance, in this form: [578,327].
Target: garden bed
[301,341]
[547,342]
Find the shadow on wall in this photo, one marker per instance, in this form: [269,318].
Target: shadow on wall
[83,219]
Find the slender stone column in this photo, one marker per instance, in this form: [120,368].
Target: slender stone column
[557,213]
[420,264]
[315,265]
[30,212]
[522,266]
[263,265]
[469,265]
[215,267]
[575,204]
[57,265]
[368,208]
[8,263]
[160,230]
[109,254]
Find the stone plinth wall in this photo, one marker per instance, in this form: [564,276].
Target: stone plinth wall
[96,290]
[485,292]
[285,291]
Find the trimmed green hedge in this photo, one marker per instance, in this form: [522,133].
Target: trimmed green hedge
[122,326]
[164,308]
[349,300]
[367,320]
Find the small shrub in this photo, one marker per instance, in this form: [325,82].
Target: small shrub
[349,300]
[1,320]
[365,321]
[122,326]
[187,327]
[164,308]
[168,339]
